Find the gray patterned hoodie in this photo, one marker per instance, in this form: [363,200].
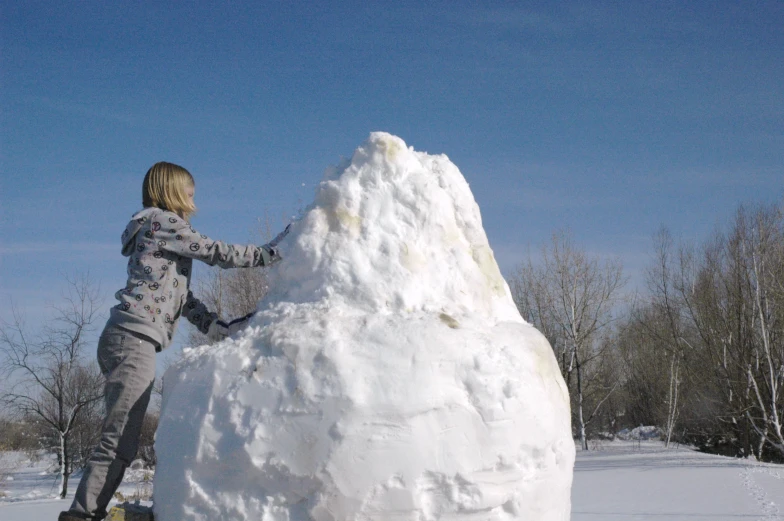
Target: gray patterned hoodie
[161,247]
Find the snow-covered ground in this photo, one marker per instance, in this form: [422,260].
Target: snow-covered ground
[29,487]
[625,481]
[619,481]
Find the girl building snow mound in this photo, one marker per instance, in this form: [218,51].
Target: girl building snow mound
[387,374]
[160,245]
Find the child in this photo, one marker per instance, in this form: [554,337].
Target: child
[161,246]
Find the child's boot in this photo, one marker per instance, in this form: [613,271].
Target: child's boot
[67,516]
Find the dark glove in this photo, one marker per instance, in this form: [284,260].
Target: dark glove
[274,242]
[272,247]
[272,255]
[219,329]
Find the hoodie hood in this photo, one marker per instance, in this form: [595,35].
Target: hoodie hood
[137,221]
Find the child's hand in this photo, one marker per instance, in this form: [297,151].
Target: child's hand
[238,324]
[219,329]
[274,256]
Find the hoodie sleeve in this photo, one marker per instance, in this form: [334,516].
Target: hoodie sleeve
[197,313]
[176,235]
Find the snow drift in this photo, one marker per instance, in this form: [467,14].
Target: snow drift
[386,376]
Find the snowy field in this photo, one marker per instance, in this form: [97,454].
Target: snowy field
[620,481]
[625,481]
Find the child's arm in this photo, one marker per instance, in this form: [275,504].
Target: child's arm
[209,323]
[174,234]
[198,314]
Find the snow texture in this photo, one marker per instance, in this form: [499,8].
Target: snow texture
[617,481]
[386,376]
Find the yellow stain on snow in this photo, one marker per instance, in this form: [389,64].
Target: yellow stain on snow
[483,257]
[547,366]
[391,148]
[411,258]
[451,235]
[348,220]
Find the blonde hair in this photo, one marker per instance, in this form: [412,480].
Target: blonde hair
[164,187]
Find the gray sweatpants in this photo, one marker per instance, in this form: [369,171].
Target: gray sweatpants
[127,360]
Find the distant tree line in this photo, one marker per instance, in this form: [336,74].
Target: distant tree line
[699,352]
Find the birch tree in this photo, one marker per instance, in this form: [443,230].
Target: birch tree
[761,242]
[570,297]
[733,299]
[666,274]
[53,384]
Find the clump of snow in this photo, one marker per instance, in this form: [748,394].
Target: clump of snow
[387,374]
[643,432]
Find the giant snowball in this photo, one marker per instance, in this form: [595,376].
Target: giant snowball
[387,375]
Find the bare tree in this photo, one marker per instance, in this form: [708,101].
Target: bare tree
[712,291]
[732,303]
[229,293]
[570,297]
[53,384]
[535,303]
[761,243]
[669,272]
[644,383]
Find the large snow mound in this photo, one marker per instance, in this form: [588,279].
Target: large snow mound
[386,376]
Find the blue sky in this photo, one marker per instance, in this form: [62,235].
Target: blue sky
[607,118]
